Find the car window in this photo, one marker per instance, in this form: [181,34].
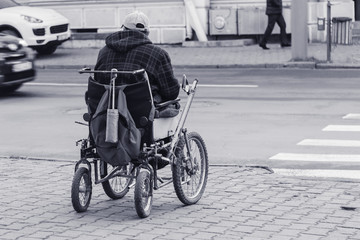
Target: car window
[8,3]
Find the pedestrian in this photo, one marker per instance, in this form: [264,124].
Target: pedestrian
[130,49]
[274,13]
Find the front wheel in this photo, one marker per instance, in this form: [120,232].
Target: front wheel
[46,50]
[143,195]
[81,190]
[116,187]
[11,32]
[10,89]
[190,171]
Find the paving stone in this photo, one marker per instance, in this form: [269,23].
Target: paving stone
[317,231]
[252,204]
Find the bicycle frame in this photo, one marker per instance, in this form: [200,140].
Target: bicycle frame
[180,128]
[190,91]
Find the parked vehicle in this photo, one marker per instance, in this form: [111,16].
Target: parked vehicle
[42,29]
[16,63]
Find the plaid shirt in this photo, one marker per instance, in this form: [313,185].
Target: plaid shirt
[132,50]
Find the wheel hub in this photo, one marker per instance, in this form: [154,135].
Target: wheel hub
[190,167]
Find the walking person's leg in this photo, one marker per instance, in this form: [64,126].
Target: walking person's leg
[283,38]
[270,27]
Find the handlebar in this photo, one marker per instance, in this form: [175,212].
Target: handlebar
[186,87]
[88,70]
[185,84]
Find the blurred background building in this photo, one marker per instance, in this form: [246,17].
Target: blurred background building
[176,21]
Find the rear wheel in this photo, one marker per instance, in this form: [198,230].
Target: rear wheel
[81,190]
[190,174]
[116,187]
[143,195]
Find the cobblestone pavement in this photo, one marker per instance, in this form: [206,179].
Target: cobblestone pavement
[239,203]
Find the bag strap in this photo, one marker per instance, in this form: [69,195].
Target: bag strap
[111,102]
[110,91]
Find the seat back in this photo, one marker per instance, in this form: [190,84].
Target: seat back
[139,103]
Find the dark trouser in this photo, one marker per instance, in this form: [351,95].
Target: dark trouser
[272,19]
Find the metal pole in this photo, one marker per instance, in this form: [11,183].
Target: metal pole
[328,32]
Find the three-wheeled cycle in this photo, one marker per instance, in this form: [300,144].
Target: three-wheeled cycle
[164,141]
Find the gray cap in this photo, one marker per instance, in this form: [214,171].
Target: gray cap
[137,20]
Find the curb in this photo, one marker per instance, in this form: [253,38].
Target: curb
[337,66]
[268,169]
[303,65]
[219,43]
[287,65]
[45,66]
[74,161]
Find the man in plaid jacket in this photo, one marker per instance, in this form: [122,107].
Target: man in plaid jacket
[130,49]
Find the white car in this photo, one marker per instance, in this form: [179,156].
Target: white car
[42,29]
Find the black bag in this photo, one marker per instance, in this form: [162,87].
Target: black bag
[129,137]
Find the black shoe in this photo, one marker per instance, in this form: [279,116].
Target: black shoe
[286,45]
[161,163]
[263,46]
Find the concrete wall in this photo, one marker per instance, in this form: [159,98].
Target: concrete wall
[170,21]
[167,18]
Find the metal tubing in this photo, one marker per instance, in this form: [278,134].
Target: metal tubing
[163,184]
[187,145]
[184,114]
[328,57]
[88,70]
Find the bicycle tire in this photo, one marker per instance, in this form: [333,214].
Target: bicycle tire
[190,178]
[143,194]
[116,187]
[81,190]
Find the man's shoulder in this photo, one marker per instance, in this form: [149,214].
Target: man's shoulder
[152,46]
[153,49]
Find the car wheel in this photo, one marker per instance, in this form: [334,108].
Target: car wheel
[46,50]
[11,32]
[9,89]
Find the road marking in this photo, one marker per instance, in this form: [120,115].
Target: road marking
[58,84]
[332,173]
[352,116]
[329,143]
[227,85]
[84,85]
[342,128]
[316,157]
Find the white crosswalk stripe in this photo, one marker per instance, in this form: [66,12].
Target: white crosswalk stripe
[354,174]
[342,128]
[316,157]
[355,116]
[327,161]
[329,143]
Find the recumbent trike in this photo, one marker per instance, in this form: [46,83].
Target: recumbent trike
[164,141]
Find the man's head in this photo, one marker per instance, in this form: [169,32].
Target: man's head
[138,21]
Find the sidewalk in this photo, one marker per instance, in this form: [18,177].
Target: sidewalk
[239,203]
[342,56]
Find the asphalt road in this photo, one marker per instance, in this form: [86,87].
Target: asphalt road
[246,116]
